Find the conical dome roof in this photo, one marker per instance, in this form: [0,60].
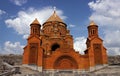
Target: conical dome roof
[35,21]
[92,23]
[54,17]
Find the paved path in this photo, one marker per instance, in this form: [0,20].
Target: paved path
[108,71]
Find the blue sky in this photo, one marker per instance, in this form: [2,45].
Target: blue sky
[17,15]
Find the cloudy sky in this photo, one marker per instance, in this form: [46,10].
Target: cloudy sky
[17,15]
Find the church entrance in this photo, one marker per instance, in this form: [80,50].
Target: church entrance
[65,63]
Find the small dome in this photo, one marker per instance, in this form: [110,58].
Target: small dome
[92,23]
[35,21]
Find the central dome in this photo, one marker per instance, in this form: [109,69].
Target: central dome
[54,17]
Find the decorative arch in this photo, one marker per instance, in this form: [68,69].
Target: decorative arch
[65,62]
[33,53]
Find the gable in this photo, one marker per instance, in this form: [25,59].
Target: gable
[96,40]
[33,39]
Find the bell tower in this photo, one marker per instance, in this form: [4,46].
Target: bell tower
[92,30]
[95,47]
[35,28]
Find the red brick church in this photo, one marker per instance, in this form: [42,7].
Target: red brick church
[50,48]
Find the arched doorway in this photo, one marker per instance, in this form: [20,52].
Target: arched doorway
[65,63]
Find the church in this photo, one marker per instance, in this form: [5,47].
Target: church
[50,48]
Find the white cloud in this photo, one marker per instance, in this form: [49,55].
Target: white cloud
[79,44]
[21,23]
[106,13]
[114,51]
[11,48]
[19,2]
[2,12]
[71,25]
[112,38]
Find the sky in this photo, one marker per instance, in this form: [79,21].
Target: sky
[17,15]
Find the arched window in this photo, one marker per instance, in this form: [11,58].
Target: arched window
[93,31]
[55,46]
